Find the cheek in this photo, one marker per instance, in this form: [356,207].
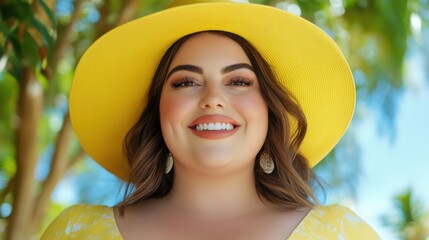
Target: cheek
[253,108]
[173,109]
[169,109]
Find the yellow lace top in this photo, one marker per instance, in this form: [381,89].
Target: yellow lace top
[98,222]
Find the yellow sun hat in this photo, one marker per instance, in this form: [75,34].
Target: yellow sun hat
[111,80]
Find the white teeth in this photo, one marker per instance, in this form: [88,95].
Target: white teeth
[214,126]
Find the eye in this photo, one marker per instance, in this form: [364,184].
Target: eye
[241,82]
[184,82]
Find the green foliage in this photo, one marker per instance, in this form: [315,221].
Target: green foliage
[410,220]
[386,24]
[25,39]
[8,95]
[26,43]
[309,8]
[151,6]
[49,13]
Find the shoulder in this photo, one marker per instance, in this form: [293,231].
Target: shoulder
[335,221]
[336,213]
[79,221]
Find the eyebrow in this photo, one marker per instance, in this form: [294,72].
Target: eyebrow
[234,67]
[195,69]
[187,67]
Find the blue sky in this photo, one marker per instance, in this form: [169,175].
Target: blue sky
[391,167]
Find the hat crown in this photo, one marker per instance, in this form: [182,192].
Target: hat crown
[176,3]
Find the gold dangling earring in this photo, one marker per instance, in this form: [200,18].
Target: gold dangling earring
[169,164]
[266,162]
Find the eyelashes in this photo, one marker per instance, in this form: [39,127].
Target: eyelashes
[184,82]
[241,81]
[238,81]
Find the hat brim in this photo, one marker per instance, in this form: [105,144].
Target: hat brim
[111,80]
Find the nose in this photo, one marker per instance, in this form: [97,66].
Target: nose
[212,98]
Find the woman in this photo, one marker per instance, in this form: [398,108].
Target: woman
[236,115]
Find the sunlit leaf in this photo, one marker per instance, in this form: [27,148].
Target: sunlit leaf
[48,12]
[47,38]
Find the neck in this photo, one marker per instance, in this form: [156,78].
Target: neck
[214,196]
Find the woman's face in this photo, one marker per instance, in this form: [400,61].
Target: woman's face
[213,116]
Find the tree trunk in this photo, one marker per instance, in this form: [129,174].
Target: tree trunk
[59,165]
[30,107]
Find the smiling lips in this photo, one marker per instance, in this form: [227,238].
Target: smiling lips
[214,126]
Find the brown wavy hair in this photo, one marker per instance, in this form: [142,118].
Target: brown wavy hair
[287,187]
